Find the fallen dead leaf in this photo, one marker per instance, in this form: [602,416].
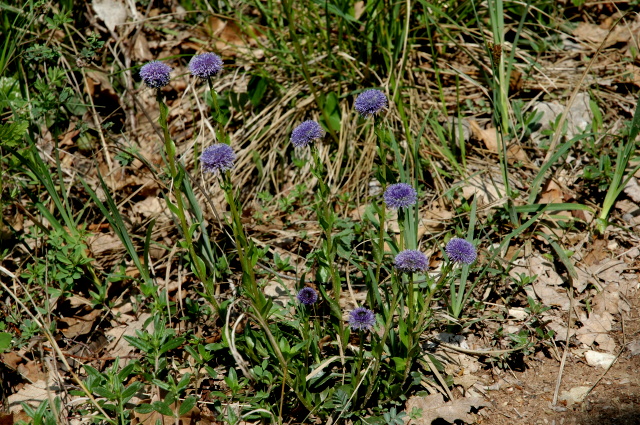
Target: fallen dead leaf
[551,193]
[595,329]
[596,35]
[433,407]
[487,188]
[551,296]
[79,325]
[574,395]
[32,394]
[489,137]
[112,12]
[632,190]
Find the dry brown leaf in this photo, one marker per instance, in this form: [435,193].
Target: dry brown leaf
[596,34]
[141,51]
[101,243]
[433,220]
[551,296]
[487,188]
[632,190]
[149,207]
[32,394]
[552,193]
[434,407]
[609,300]
[489,137]
[595,329]
[112,12]
[79,325]
[119,346]
[538,265]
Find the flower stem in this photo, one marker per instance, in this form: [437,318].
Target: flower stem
[176,187]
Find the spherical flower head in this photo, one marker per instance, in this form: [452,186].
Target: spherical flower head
[218,157]
[370,102]
[409,261]
[400,195]
[205,65]
[306,133]
[155,74]
[307,296]
[361,319]
[461,251]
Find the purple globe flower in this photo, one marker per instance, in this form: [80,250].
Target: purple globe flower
[370,102]
[409,261]
[461,251]
[307,296]
[155,74]
[400,195]
[218,157]
[205,65]
[306,133]
[361,319]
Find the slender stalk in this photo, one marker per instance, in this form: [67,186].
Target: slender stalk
[288,10]
[176,176]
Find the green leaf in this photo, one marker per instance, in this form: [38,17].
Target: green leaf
[173,343]
[131,390]
[139,343]
[162,408]
[11,134]
[187,405]
[5,341]
[145,409]
[103,392]
[257,87]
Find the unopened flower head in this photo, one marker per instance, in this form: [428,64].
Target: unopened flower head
[205,65]
[155,74]
[400,195]
[361,319]
[370,102]
[409,261]
[305,133]
[307,296]
[461,251]
[218,157]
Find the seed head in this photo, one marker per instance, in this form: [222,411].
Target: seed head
[218,157]
[205,65]
[155,74]
[410,261]
[305,133]
[361,319]
[400,195]
[461,251]
[370,102]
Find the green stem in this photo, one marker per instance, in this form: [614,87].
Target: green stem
[243,246]
[286,5]
[176,176]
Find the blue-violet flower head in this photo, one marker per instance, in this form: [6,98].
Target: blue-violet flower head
[370,102]
[307,296]
[400,195]
[305,133]
[218,157]
[409,261]
[461,251]
[155,74]
[205,65]
[361,319]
